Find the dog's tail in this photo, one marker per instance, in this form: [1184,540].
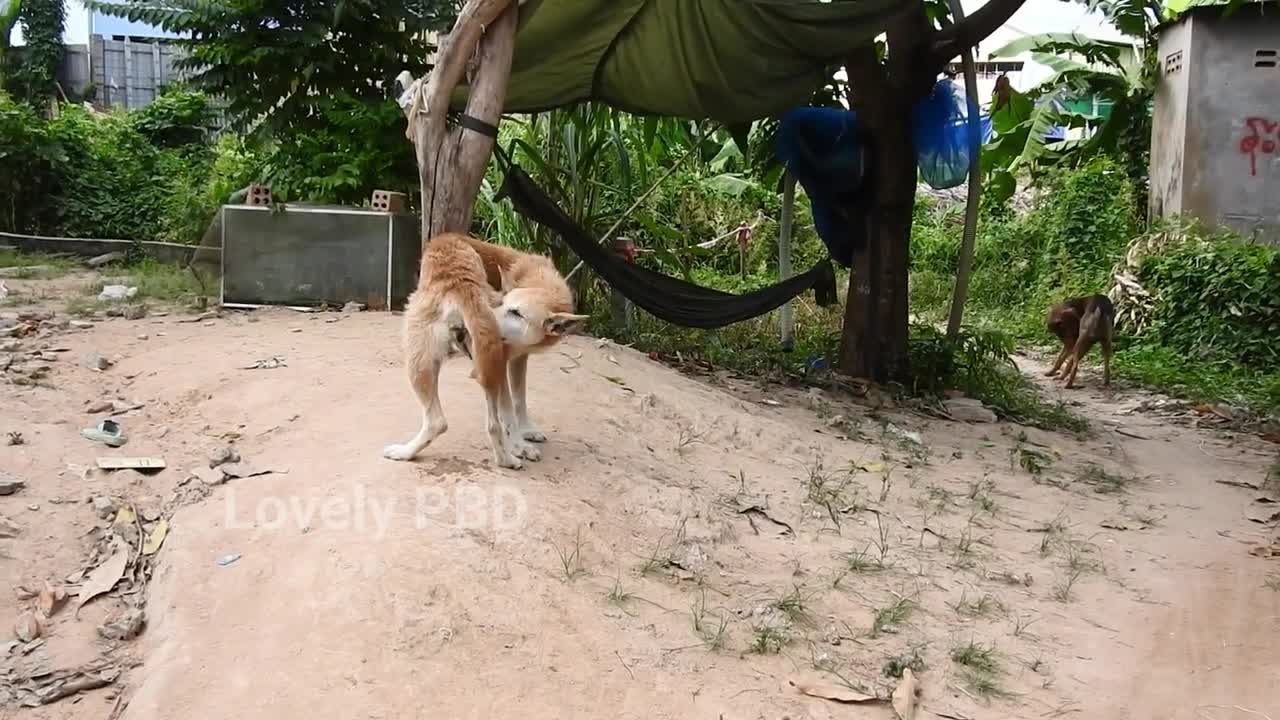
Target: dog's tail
[474,330]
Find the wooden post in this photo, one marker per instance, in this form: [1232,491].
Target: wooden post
[975,193]
[451,163]
[619,305]
[787,315]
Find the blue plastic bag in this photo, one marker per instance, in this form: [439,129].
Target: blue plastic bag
[947,131]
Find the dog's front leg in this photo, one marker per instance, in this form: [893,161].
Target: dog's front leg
[1062,356]
[517,373]
[510,419]
[500,423]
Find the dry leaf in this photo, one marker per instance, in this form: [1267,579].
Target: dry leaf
[156,538]
[831,691]
[28,627]
[126,516]
[872,467]
[904,696]
[104,577]
[1247,484]
[244,470]
[1123,524]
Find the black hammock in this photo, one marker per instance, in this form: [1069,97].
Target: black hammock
[672,299]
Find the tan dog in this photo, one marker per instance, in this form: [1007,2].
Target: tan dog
[452,312]
[1079,323]
[535,313]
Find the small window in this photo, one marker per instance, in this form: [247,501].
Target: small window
[1173,62]
[1266,58]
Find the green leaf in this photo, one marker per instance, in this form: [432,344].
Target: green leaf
[731,184]
[1001,185]
[1093,50]
[730,154]
[1011,114]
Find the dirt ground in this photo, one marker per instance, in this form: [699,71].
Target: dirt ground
[685,549]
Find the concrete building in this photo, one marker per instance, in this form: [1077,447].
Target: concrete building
[1215,145]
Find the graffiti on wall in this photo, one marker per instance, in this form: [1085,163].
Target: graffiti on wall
[1261,137]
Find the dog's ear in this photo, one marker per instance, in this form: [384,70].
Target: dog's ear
[507,284]
[495,298]
[565,323]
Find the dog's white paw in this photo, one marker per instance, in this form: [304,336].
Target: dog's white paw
[511,462]
[398,452]
[528,452]
[533,435]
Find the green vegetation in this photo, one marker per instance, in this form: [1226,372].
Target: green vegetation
[1202,325]
[152,174]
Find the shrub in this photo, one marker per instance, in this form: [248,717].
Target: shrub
[359,146]
[29,153]
[110,182]
[1216,299]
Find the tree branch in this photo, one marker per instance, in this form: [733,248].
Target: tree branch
[954,40]
[868,82]
[907,36]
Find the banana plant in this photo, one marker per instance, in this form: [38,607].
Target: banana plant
[1122,72]
[1118,71]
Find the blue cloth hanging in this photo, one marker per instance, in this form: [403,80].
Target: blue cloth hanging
[823,148]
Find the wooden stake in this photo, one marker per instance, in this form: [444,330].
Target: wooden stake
[451,162]
[784,256]
[975,193]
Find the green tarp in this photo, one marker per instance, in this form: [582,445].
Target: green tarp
[727,60]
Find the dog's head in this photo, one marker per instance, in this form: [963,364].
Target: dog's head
[525,320]
[1064,322]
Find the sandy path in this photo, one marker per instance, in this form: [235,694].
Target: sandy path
[372,589]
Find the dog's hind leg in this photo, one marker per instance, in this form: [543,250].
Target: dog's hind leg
[517,374]
[1078,353]
[424,375]
[1105,342]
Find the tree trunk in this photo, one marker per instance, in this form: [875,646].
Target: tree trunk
[874,342]
[451,162]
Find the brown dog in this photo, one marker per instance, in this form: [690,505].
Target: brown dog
[1079,323]
[452,313]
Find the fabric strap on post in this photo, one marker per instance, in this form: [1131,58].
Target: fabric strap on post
[672,299]
[476,125]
